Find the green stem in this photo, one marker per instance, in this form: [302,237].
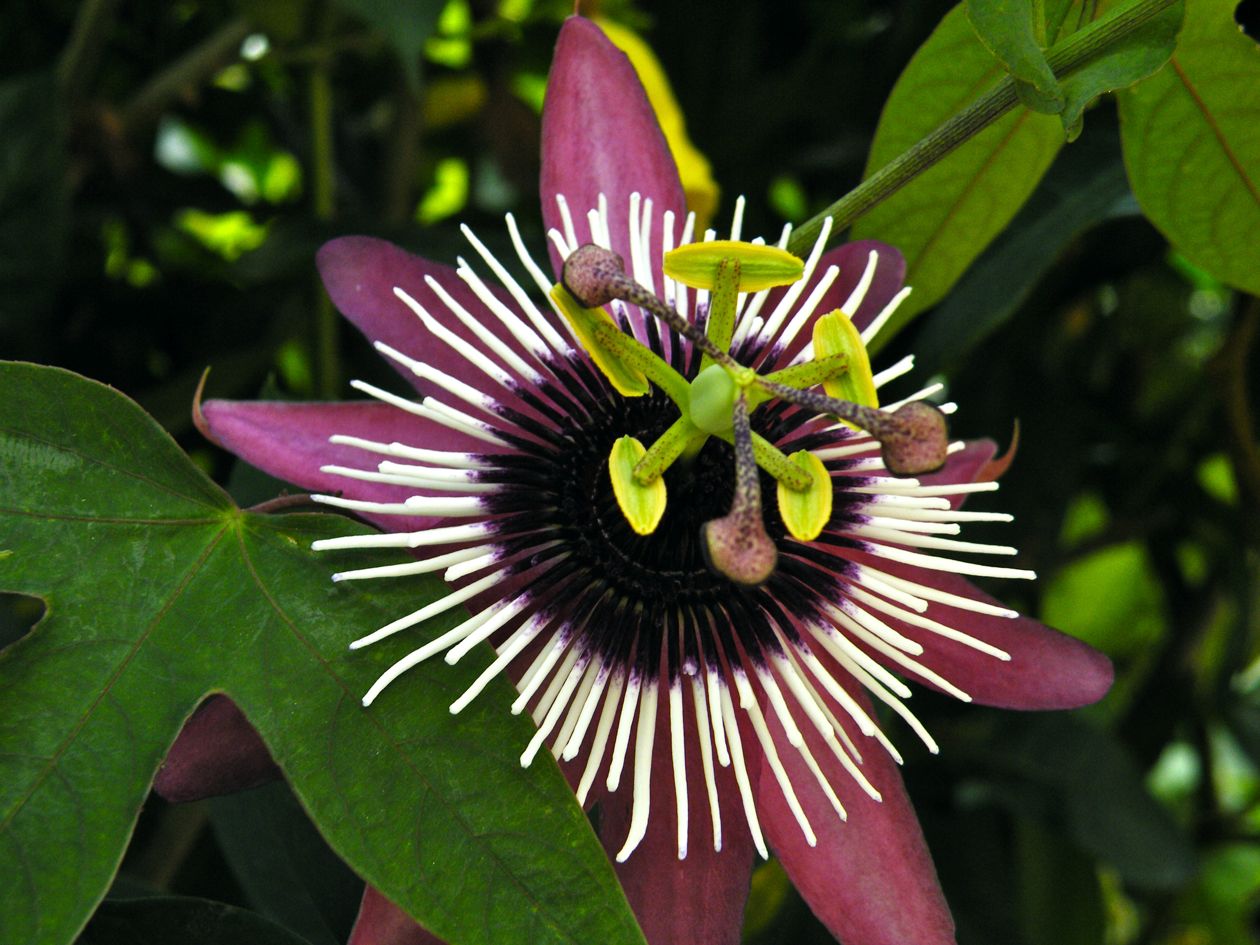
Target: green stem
[1065,58]
[722,302]
[680,437]
[187,72]
[634,354]
[323,192]
[92,27]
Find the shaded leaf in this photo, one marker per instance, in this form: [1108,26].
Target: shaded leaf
[1053,872]
[179,920]
[1191,138]
[160,591]
[1080,780]
[1010,30]
[284,866]
[405,24]
[1086,185]
[946,216]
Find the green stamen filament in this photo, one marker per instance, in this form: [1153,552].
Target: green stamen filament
[671,444]
[644,360]
[722,302]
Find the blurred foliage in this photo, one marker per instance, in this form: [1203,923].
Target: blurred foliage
[170,169]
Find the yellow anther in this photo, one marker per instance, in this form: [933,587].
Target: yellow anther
[642,505]
[835,334]
[807,512]
[628,380]
[760,267]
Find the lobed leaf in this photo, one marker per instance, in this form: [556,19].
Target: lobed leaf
[158,592]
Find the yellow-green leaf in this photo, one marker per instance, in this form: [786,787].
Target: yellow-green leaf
[944,218]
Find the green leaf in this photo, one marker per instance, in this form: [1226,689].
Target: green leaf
[1085,186]
[1082,781]
[1221,906]
[1191,138]
[283,865]
[1110,599]
[180,920]
[405,24]
[1141,53]
[946,216]
[1052,872]
[1012,32]
[159,591]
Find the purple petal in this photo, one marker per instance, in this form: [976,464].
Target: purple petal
[870,879]
[217,752]
[290,441]
[698,900]
[600,136]
[360,274]
[967,465]
[1047,670]
[380,922]
[852,260]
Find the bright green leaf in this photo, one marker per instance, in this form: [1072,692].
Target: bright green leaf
[1110,599]
[1220,907]
[1011,31]
[1191,139]
[158,592]
[946,216]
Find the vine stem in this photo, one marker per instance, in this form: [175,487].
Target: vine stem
[323,194]
[1067,57]
[93,25]
[185,73]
